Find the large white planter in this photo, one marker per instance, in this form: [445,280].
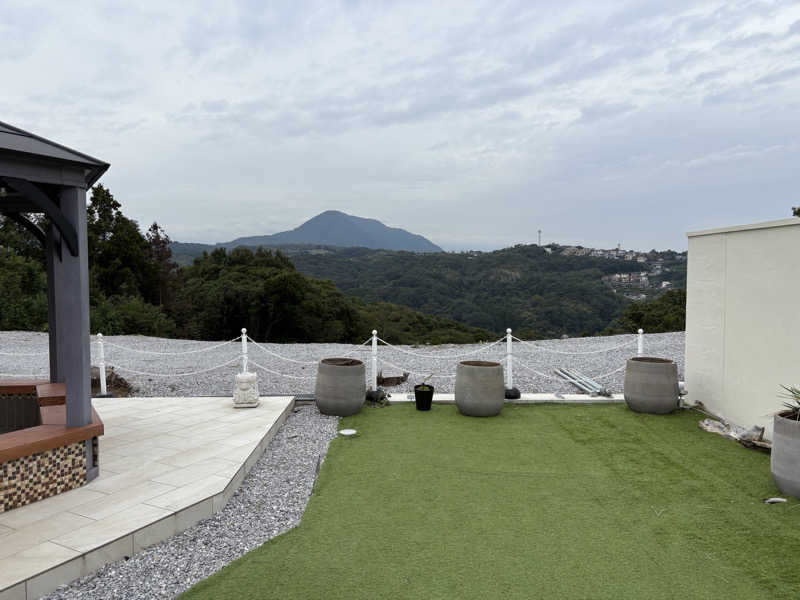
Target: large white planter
[341,387]
[480,388]
[784,459]
[651,385]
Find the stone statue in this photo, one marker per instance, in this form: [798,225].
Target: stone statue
[245,392]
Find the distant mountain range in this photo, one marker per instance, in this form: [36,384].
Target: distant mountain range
[330,228]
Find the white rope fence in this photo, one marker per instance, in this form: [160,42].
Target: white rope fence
[529,350]
[417,373]
[186,352]
[306,362]
[25,354]
[265,369]
[189,374]
[442,356]
[574,352]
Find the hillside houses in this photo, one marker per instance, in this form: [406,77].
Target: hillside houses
[612,254]
[657,272]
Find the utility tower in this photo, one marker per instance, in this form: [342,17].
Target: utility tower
[540,237]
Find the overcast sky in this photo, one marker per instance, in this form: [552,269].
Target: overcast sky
[474,124]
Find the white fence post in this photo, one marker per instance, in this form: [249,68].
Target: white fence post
[640,343]
[509,356]
[102,365]
[244,350]
[374,360]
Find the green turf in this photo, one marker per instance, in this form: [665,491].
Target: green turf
[545,501]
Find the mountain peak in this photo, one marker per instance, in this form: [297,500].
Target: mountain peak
[336,228]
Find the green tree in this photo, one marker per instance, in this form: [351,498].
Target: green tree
[23,293]
[119,255]
[664,313]
[161,257]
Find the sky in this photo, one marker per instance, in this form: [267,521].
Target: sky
[473,123]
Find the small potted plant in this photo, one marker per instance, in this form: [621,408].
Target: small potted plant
[423,394]
[785,456]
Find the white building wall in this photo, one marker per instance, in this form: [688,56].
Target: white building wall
[743,319]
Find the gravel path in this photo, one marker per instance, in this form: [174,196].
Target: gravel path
[136,358]
[271,500]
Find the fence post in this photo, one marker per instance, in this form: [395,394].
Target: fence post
[102,365]
[640,343]
[509,356]
[244,350]
[374,360]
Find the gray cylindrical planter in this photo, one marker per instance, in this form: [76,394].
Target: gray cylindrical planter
[341,387]
[480,388]
[784,459]
[651,385]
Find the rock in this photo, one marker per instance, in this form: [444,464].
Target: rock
[116,385]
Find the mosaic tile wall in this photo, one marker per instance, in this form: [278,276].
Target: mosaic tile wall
[42,475]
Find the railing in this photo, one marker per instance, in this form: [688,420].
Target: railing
[527,352]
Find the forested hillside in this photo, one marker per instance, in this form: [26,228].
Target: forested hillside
[523,287]
[325,294]
[136,288]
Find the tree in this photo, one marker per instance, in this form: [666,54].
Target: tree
[161,256]
[119,255]
[796,211]
[665,313]
[23,293]
[17,240]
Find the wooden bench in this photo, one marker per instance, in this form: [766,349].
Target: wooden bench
[47,394]
[50,430]
[52,433]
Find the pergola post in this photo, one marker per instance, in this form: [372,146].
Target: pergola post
[70,286]
[50,259]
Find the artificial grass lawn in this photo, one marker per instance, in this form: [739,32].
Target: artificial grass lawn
[544,501]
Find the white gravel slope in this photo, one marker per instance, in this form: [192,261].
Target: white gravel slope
[176,375]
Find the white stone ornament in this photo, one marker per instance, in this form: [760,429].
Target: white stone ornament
[245,392]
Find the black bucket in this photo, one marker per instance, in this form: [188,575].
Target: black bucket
[423,398]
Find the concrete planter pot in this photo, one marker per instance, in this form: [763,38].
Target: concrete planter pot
[480,388]
[341,388]
[784,459]
[651,385]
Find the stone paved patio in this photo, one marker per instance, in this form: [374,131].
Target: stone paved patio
[165,464]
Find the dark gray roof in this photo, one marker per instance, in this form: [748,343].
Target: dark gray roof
[18,141]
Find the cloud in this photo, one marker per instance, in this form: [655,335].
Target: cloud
[736,153]
[780,76]
[605,110]
[485,117]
